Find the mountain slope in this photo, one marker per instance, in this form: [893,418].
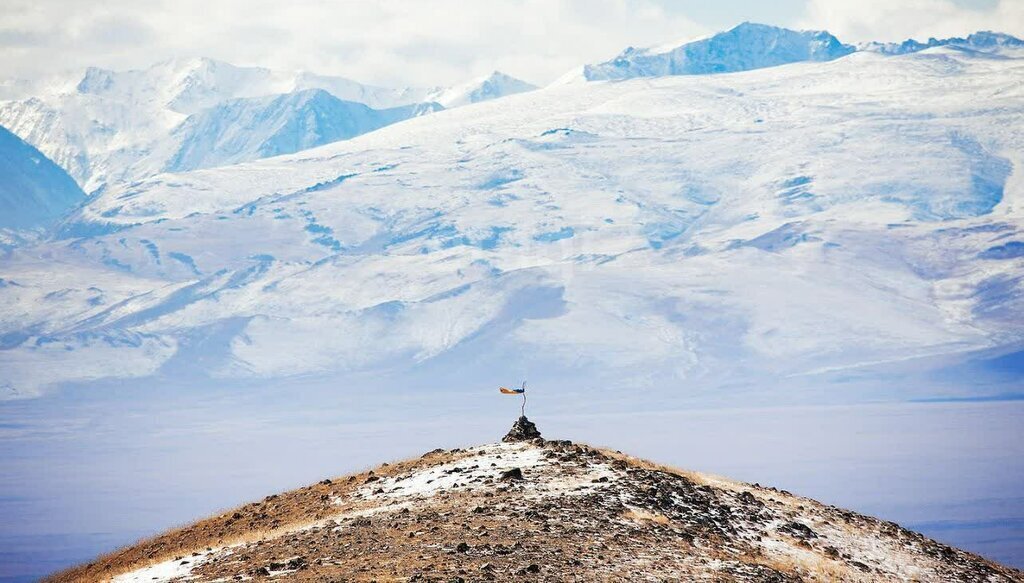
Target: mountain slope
[34,192]
[539,510]
[742,48]
[239,130]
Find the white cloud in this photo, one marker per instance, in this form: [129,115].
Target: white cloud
[421,42]
[894,20]
[388,42]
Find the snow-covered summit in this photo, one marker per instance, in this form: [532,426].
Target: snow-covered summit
[492,86]
[981,41]
[742,48]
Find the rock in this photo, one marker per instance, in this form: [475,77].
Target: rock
[747,498]
[296,563]
[798,530]
[522,430]
[461,548]
[513,475]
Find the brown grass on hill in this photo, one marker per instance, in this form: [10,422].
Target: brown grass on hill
[810,566]
[247,523]
[698,478]
[641,515]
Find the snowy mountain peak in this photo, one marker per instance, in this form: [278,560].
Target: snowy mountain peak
[988,38]
[184,85]
[982,41]
[741,48]
[492,86]
[95,80]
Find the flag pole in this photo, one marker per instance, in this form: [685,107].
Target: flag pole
[522,410]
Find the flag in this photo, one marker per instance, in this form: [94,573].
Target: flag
[506,391]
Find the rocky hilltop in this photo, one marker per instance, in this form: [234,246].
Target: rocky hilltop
[534,509]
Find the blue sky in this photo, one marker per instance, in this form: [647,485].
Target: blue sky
[399,42]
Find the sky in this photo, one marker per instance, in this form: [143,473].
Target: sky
[435,42]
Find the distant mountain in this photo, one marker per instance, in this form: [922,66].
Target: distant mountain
[108,127]
[239,130]
[492,86]
[192,84]
[877,211]
[751,46]
[742,48]
[984,41]
[34,191]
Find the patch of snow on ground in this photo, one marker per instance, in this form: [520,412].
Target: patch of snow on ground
[488,463]
[163,571]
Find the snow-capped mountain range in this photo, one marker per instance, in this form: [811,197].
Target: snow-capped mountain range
[988,42]
[108,127]
[671,230]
